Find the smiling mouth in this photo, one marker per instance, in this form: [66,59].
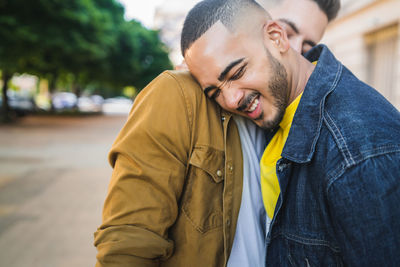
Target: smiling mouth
[250,105]
[253,103]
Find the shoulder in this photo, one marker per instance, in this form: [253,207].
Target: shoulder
[173,84]
[360,120]
[182,77]
[180,81]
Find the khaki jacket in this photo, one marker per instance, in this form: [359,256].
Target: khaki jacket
[175,192]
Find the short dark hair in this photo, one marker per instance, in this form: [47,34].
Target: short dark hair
[329,7]
[208,12]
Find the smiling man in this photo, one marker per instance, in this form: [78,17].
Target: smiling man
[305,22]
[228,55]
[331,176]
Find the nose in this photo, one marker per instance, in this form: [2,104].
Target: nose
[232,97]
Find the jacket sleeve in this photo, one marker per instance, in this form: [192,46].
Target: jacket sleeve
[364,204]
[149,159]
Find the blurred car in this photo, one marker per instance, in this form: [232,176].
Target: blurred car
[64,100]
[90,103]
[98,99]
[117,106]
[21,105]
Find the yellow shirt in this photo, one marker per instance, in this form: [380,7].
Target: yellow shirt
[269,181]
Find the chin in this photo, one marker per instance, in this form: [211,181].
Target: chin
[272,123]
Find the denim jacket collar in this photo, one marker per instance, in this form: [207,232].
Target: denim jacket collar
[306,126]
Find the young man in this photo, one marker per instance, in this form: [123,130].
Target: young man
[143,214]
[305,22]
[332,176]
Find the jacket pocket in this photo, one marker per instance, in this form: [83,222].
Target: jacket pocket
[311,253]
[203,193]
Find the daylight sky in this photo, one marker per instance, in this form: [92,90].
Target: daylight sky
[142,10]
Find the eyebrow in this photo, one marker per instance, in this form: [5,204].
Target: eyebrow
[292,25]
[223,74]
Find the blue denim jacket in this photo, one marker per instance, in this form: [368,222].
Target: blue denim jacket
[339,175]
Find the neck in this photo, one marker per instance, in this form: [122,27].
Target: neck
[301,72]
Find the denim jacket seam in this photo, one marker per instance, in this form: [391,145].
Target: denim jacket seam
[338,172]
[307,241]
[341,142]
[381,150]
[321,108]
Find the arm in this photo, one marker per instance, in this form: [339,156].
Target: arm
[149,158]
[365,211]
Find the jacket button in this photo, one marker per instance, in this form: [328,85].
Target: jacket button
[230,167]
[223,118]
[219,173]
[228,222]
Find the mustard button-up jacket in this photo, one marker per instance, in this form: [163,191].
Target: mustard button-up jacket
[175,191]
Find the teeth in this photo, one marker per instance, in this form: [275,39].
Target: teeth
[254,106]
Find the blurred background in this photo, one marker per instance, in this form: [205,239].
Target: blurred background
[70,71]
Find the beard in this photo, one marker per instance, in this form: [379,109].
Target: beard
[279,88]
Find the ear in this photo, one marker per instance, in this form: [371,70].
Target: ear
[276,36]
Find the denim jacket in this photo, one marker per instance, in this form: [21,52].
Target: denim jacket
[339,175]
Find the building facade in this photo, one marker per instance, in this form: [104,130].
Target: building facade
[169,18]
[366,38]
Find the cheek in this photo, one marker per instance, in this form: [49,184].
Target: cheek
[258,78]
[221,102]
[257,74]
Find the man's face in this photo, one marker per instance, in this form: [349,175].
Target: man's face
[240,74]
[303,20]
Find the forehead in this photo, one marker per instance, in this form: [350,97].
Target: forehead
[214,50]
[310,20]
[217,41]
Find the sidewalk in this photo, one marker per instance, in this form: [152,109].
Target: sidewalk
[53,180]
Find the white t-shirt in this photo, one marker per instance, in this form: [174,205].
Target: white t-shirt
[249,247]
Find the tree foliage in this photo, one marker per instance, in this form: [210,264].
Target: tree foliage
[86,38]
[139,50]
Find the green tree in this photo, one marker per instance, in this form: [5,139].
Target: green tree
[88,39]
[153,56]
[137,57]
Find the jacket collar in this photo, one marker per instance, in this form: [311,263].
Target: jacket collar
[307,122]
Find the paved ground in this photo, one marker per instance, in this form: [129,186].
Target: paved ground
[53,181]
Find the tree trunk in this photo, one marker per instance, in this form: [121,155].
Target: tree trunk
[6,112]
[77,89]
[53,83]
[52,89]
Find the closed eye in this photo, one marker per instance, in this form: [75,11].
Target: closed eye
[212,92]
[216,93]
[239,73]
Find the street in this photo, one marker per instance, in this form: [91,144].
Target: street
[54,175]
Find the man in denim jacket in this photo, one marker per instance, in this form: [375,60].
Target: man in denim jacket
[340,165]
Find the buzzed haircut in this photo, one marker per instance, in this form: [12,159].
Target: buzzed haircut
[329,7]
[208,12]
